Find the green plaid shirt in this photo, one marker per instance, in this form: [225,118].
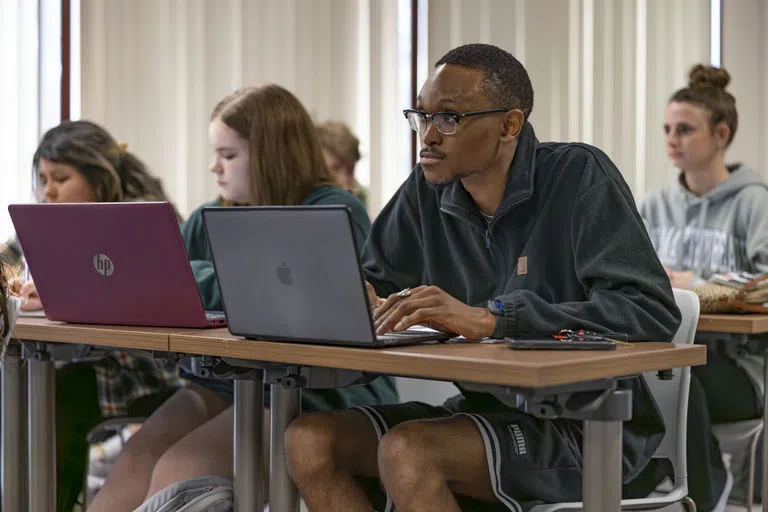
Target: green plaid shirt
[122,378]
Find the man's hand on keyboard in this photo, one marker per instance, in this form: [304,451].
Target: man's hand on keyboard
[432,307]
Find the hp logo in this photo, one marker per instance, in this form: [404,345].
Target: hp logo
[103,265]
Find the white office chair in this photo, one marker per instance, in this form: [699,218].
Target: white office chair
[672,398]
[432,392]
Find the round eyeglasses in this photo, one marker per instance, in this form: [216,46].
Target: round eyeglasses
[446,123]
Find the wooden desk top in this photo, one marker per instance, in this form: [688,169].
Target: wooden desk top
[745,324]
[142,338]
[490,364]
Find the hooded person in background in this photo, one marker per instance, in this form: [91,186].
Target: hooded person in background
[713,219]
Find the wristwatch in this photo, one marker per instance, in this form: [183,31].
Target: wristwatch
[496,307]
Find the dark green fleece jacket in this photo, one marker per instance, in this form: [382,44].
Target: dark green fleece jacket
[381,390]
[565,249]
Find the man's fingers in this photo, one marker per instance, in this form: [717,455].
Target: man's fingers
[396,308]
[420,316]
[373,299]
[392,316]
[396,298]
[385,316]
[386,305]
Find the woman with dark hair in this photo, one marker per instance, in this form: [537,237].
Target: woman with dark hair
[79,161]
[714,219]
[101,169]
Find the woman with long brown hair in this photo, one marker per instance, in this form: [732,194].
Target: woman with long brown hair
[265,152]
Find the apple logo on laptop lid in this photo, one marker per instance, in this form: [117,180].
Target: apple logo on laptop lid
[284,274]
[103,264]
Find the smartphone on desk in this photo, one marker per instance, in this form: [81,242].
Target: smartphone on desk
[559,344]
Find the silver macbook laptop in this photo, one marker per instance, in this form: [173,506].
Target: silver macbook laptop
[292,273]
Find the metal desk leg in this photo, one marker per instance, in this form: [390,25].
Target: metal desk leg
[601,485]
[14,431]
[602,457]
[42,432]
[285,407]
[764,483]
[249,449]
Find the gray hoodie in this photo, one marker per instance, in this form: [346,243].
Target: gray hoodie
[724,230]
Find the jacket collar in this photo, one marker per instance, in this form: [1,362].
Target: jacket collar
[518,189]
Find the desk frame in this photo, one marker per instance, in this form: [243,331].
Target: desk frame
[602,434]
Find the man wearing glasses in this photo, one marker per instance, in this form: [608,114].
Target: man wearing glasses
[492,235]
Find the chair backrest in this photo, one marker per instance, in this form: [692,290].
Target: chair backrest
[431,392]
[688,302]
[672,394]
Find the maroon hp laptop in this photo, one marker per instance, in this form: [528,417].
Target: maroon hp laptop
[111,263]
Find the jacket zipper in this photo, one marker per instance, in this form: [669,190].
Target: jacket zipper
[499,255]
[486,233]
[499,258]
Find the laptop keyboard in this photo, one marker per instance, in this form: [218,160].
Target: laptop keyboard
[214,315]
[402,334]
[414,335]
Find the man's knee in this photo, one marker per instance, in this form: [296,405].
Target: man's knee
[309,444]
[405,451]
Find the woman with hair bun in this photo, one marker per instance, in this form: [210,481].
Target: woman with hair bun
[713,219]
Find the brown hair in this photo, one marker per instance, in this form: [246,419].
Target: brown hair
[110,169]
[706,88]
[286,162]
[338,139]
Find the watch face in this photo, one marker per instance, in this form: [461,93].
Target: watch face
[496,307]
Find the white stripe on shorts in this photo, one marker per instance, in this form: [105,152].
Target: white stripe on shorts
[381,428]
[492,454]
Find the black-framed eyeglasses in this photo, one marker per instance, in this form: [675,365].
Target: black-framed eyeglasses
[446,123]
